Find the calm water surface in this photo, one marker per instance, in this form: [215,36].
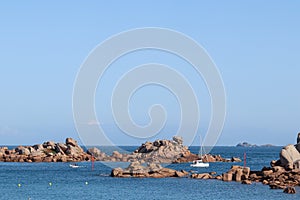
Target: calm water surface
[83,183]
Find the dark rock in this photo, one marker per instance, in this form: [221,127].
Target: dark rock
[276,186]
[234,159]
[71,141]
[289,190]
[246,144]
[247,182]
[117,172]
[275,163]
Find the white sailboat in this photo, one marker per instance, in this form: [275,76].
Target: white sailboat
[74,166]
[200,163]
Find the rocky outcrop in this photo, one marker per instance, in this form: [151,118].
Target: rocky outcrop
[46,152]
[290,190]
[236,173]
[276,177]
[159,151]
[202,176]
[289,155]
[152,170]
[162,151]
[282,174]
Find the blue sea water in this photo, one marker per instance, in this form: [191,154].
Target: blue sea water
[83,183]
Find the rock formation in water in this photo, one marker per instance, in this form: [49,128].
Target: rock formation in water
[290,156]
[152,170]
[159,151]
[46,152]
[282,174]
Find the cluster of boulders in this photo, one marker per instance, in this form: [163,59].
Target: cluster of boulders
[290,156]
[46,152]
[164,151]
[276,177]
[236,173]
[159,151]
[282,174]
[151,170]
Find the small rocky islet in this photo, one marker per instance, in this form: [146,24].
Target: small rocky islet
[159,151]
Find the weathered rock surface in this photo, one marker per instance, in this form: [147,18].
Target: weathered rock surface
[276,177]
[288,156]
[136,169]
[46,152]
[202,176]
[282,174]
[159,151]
[236,173]
[162,151]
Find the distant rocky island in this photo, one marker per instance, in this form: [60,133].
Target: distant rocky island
[159,151]
[246,144]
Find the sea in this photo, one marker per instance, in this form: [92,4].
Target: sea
[48,181]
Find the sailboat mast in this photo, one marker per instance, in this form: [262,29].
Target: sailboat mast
[201,147]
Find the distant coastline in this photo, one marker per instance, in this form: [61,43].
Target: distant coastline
[246,144]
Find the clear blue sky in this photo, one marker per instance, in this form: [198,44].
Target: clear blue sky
[255,45]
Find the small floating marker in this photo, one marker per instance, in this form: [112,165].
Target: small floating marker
[86,183]
[19,185]
[50,184]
